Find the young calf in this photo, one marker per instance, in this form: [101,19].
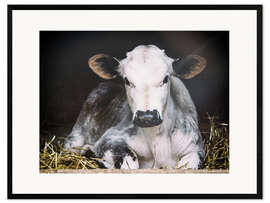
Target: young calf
[153,123]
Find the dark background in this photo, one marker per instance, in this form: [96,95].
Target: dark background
[66,79]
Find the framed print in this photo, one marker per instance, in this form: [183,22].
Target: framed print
[135,101]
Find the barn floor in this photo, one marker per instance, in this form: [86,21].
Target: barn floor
[55,159]
[147,171]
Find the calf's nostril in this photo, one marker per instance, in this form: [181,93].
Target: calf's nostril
[139,115]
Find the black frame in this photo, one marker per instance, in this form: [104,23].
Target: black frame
[258,195]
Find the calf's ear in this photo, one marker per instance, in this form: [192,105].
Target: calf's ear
[105,66]
[189,67]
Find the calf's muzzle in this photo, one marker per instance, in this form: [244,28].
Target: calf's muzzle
[146,119]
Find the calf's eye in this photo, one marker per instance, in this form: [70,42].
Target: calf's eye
[166,79]
[128,83]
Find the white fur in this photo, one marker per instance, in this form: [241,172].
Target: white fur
[146,67]
[107,159]
[129,163]
[190,161]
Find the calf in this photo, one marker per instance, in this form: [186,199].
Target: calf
[151,122]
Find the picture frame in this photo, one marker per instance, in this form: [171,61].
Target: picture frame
[16,114]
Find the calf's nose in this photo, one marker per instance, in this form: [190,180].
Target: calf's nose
[146,119]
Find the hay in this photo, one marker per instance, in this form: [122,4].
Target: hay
[55,157]
[216,143]
[216,137]
[136,171]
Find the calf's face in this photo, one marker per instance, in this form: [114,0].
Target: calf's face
[146,72]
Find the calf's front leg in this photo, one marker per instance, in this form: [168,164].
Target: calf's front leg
[115,153]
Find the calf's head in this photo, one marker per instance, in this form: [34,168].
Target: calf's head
[146,72]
